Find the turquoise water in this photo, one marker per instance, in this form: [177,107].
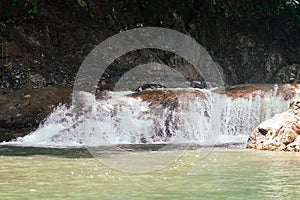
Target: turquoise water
[32,173]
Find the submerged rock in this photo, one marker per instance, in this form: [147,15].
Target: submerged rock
[280,133]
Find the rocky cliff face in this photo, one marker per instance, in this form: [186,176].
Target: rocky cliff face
[48,48]
[280,133]
[52,44]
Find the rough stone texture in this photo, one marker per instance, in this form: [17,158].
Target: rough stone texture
[287,91]
[54,42]
[22,111]
[168,96]
[280,133]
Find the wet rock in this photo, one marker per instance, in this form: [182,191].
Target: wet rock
[245,91]
[167,97]
[280,133]
[238,91]
[198,84]
[164,104]
[23,110]
[37,80]
[149,87]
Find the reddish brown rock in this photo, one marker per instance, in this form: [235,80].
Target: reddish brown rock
[156,97]
[245,91]
[238,91]
[23,110]
[168,100]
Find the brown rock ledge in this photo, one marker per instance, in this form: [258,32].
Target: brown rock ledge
[22,111]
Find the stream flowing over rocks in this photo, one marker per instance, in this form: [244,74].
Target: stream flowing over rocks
[181,115]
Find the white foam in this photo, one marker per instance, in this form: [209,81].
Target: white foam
[123,120]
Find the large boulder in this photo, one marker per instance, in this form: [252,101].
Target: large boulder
[22,111]
[280,133]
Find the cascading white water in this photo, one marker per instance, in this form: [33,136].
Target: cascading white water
[214,119]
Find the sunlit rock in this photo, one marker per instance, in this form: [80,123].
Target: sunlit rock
[238,91]
[280,133]
[168,97]
[246,91]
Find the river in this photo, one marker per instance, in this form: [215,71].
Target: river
[98,155]
[225,173]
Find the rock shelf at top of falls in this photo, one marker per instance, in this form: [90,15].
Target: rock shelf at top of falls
[246,91]
[280,133]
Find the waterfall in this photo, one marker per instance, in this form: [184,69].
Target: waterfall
[120,119]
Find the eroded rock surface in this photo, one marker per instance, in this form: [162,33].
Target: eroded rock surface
[280,133]
[22,111]
[287,91]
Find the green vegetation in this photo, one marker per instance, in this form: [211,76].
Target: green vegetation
[237,9]
[285,7]
[257,8]
[31,6]
[241,9]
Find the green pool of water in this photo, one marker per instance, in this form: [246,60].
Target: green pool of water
[32,173]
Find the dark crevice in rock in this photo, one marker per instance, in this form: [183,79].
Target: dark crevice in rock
[263,131]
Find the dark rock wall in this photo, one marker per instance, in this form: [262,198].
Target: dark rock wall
[251,47]
[23,110]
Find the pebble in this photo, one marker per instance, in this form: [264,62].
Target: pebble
[27,96]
